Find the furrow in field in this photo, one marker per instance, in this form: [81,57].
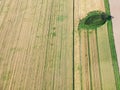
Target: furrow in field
[32,47]
[96,83]
[4,7]
[86,79]
[2,3]
[38,58]
[26,29]
[7,45]
[15,62]
[67,45]
[1,55]
[39,45]
[30,57]
[7,20]
[77,47]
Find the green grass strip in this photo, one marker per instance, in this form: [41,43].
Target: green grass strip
[112,47]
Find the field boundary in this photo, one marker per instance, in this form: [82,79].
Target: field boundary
[73,45]
[112,47]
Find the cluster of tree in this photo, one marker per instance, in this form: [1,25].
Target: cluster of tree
[94,20]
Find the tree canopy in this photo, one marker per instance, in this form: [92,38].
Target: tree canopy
[94,20]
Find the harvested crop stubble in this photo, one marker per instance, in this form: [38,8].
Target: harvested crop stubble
[94,61]
[108,78]
[36,49]
[85,61]
[77,47]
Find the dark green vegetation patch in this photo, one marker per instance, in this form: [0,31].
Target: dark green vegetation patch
[93,20]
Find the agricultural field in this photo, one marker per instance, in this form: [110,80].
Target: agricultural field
[36,46]
[42,49]
[96,65]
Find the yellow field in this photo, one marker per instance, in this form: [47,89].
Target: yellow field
[107,73]
[36,45]
[42,49]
